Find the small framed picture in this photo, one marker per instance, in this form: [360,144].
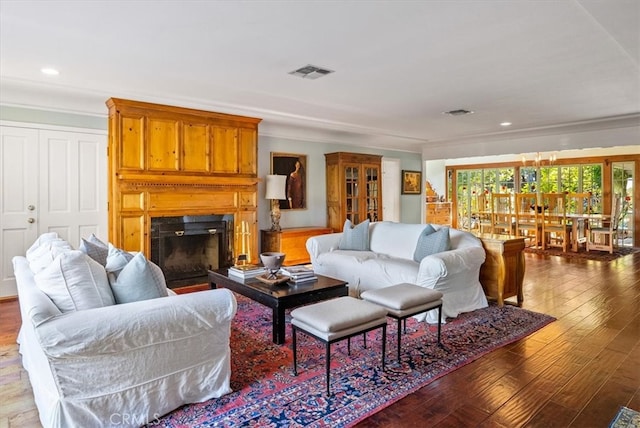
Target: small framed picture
[294,166]
[411,182]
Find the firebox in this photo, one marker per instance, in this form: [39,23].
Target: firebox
[185,247]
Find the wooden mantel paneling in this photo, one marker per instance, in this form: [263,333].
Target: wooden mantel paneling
[172,161]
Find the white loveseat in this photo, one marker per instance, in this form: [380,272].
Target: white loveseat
[123,364]
[390,261]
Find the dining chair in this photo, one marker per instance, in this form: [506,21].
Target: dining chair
[501,214]
[579,214]
[483,213]
[528,217]
[604,237]
[556,230]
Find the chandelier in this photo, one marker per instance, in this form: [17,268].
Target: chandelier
[538,161]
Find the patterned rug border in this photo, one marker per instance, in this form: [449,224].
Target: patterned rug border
[265,392]
[583,254]
[625,418]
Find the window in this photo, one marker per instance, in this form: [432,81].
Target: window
[470,187]
[622,183]
[474,187]
[472,183]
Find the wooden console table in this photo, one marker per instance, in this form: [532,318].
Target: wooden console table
[502,273]
[292,242]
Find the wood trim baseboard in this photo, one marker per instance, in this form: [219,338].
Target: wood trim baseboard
[8,299]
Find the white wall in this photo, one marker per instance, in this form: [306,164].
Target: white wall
[435,173]
[316,213]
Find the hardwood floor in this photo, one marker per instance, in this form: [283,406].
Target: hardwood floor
[575,372]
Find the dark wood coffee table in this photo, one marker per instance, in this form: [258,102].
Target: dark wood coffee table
[282,296]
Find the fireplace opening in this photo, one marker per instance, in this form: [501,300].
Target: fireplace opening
[185,247]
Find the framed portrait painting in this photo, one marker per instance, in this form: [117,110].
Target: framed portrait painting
[294,166]
[411,182]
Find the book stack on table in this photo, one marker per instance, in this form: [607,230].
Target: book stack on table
[246,271]
[298,274]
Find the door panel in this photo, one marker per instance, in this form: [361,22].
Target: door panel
[390,192]
[18,171]
[73,200]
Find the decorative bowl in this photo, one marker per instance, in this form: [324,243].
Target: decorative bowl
[272,261]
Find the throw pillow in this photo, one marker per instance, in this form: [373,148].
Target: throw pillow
[45,237]
[117,259]
[432,243]
[95,248]
[419,251]
[139,280]
[44,255]
[74,282]
[355,237]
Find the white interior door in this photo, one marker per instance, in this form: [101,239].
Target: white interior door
[19,201]
[52,181]
[390,189]
[73,185]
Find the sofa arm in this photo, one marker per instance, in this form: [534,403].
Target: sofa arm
[319,244]
[449,263]
[34,304]
[120,328]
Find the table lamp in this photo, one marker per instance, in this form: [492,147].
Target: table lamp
[275,192]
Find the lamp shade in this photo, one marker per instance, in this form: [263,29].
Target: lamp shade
[276,187]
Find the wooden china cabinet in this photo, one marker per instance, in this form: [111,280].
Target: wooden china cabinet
[354,188]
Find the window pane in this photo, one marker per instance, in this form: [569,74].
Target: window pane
[623,187]
[506,180]
[592,182]
[569,179]
[549,179]
[528,179]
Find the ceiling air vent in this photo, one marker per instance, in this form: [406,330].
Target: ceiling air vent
[310,72]
[459,112]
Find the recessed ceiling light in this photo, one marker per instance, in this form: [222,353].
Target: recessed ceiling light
[49,71]
[505,124]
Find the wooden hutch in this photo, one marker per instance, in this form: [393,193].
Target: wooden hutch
[354,188]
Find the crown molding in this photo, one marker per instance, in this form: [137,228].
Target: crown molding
[596,124]
[81,101]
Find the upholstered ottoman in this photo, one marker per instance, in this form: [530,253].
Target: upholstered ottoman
[337,319]
[404,300]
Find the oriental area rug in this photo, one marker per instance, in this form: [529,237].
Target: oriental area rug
[626,418]
[604,256]
[265,392]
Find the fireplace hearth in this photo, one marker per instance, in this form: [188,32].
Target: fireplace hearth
[185,247]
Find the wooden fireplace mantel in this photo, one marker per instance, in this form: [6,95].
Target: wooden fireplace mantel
[172,161]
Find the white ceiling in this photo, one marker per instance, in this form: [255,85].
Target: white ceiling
[398,64]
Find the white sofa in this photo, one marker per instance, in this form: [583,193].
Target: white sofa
[123,364]
[390,261]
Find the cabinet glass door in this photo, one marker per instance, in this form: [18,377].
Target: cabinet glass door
[372,195]
[352,178]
